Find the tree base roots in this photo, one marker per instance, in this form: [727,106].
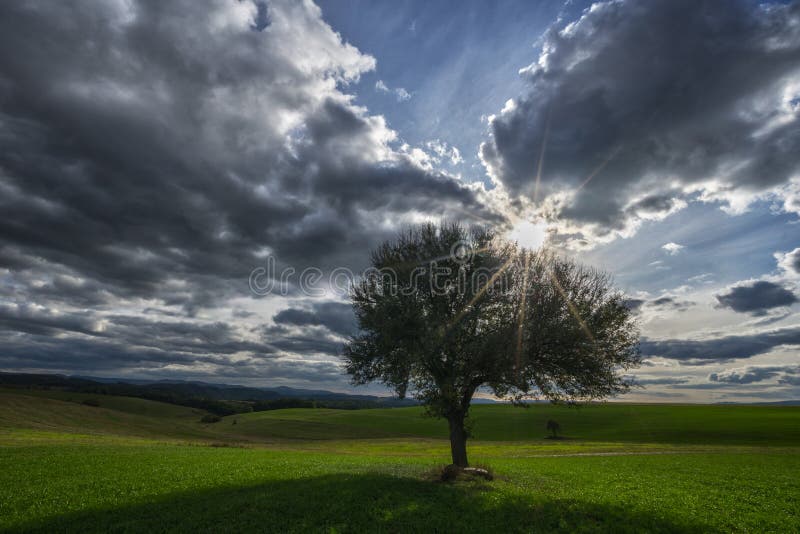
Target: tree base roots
[453,472]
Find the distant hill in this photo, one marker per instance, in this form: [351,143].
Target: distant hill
[222,399]
[773,403]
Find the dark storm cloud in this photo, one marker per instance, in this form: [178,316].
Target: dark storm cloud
[35,339]
[641,99]
[749,375]
[138,147]
[722,349]
[272,372]
[335,316]
[663,381]
[303,331]
[33,320]
[756,297]
[164,336]
[183,336]
[790,380]
[107,357]
[790,261]
[634,304]
[666,302]
[309,344]
[671,303]
[152,152]
[82,355]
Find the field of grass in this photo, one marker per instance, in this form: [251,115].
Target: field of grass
[135,465]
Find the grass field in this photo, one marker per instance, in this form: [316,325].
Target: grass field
[133,465]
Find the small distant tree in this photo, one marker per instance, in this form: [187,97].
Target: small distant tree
[553,427]
[210,418]
[445,310]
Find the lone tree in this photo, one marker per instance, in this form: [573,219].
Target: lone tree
[445,310]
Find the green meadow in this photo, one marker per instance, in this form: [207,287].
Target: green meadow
[131,465]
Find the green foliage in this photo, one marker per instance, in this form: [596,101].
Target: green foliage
[515,320]
[91,402]
[442,324]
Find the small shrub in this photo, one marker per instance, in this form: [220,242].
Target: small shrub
[210,418]
[553,427]
[91,402]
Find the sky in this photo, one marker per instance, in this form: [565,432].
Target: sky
[159,161]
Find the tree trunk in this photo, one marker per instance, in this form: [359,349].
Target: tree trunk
[458,441]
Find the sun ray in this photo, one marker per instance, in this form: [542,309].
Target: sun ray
[540,164]
[522,310]
[473,215]
[572,309]
[450,256]
[598,168]
[479,294]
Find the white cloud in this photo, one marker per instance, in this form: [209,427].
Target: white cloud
[789,262]
[672,248]
[445,151]
[400,93]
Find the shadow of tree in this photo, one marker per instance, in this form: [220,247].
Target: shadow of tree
[360,503]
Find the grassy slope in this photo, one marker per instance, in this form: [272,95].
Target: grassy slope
[736,478]
[669,424]
[25,414]
[621,423]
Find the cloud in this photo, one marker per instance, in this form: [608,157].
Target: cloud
[670,302]
[659,381]
[36,339]
[721,349]
[789,262]
[704,278]
[285,158]
[750,374]
[337,317]
[152,153]
[399,92]
[672,248]
[790,380]
[444,151]
[756,297]
[633,124]
[634,304]
[664,302]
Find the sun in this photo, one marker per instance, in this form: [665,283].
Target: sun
[528,234]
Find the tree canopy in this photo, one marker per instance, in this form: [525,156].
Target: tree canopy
[446,310]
